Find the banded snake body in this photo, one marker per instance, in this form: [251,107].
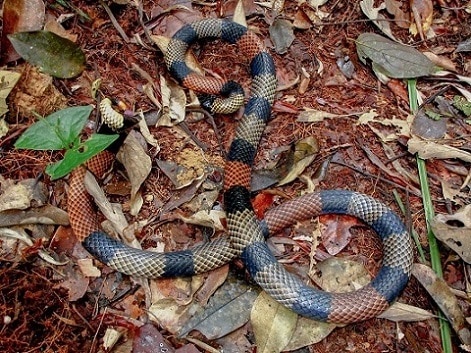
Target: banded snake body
[247,234]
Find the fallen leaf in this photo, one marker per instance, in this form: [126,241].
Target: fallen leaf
[46,214]
[309,115]
[111,337]
[173,103]
[336,236]
[301,19]
[393,59]
[112,212]
[402,126]
[54,26]
[380,21]
[211,219]
[455,231]
[36,93]
[305,151]
[19,16]
[138,166]
[401,19]
[464,46]
[341,275]
[53,54]
[229,307]
[239,14]
[281,34]
[431,149]
[273,324]
[88,268]
[8,80]
[422,11]
[444,297]
[150,340]
[15,197]
[180,175]
[308,332]
[428,128]
[213,280]
[398,312]
[441,61]
[74,281]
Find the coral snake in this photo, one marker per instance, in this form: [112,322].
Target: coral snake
[246,233]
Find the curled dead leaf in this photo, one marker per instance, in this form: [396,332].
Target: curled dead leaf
[445,299]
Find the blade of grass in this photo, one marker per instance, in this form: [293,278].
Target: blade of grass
[445,331]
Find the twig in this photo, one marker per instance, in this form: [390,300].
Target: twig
[115,22]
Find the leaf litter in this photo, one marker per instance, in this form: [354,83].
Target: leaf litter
[346,97]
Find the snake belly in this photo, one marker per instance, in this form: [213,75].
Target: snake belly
[247,234]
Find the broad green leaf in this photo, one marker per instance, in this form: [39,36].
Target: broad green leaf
[53,54]
[57,131]
[393,59]
[82,153]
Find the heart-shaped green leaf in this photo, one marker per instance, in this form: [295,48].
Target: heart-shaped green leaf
[57,131]
[80,154]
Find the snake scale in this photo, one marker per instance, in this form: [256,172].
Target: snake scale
[246,233]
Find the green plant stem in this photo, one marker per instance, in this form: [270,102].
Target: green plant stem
[445,331]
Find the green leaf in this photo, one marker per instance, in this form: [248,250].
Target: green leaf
[393,59]
[53,54]
[57,131]
[462,104]
[80,154]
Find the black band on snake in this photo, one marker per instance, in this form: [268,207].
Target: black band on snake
[247,234]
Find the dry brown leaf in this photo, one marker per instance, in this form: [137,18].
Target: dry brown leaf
[401,19]
[445,299]
[398,312]
[367,6]
[74,281]
[14,196]
[308,332]
[422,11]
[150,340]
[9,80]
[455,231]
[138,166]
[272,323]
[341,275]
[239,14]
[88,268]
[173,103]
[441,61]
[302,20]
[55,27]
[305,152]
[431,149]
[336,235]
[211,219]
[111,337]
[19,16]
[112,212]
